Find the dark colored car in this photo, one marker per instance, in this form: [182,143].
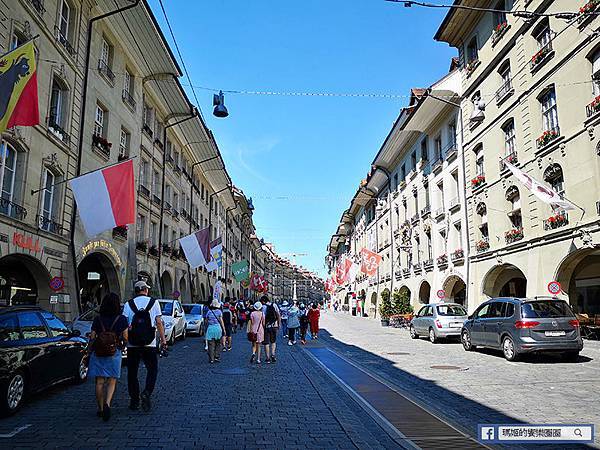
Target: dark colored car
[524,325]
[37,350]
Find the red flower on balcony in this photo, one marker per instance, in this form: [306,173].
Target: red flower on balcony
[101,141]
[501,26]
[589,7]
[478,180]
[547,137]
[482,245]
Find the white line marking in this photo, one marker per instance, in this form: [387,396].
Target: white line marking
[15,431]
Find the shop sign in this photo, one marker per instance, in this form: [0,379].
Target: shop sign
[102,245]
[56,284]
[26,242]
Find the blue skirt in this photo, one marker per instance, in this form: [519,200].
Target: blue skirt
[214,332]
[105,366]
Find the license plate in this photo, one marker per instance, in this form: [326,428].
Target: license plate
[457,325]
[555,333]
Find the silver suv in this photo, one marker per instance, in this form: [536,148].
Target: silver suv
[438,320]
[524,325]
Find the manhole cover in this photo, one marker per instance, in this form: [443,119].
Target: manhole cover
[446,367]
[234,371]
[398,353]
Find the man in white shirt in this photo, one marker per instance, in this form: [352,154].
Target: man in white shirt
[135,311]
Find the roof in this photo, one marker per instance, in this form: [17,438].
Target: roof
[458,22]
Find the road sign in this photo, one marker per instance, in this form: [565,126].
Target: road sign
[441,293]
[56,284]
[554,287]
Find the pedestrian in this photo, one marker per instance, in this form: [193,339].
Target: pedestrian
[233,319]
[313,319]
[144,318]
[284,317]
[293,323]
[256,331]
[272,325]
[227,326]
[241,313]
[205,310]
[214,331]
[107,339]
[303,316]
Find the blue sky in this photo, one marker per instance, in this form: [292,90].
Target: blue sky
[301,158]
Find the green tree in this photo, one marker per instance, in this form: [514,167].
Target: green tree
[385,307]
[401,303]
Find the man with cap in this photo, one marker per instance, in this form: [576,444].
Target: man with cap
[137,311]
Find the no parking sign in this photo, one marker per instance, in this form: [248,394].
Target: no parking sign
[554,287]
[441,294]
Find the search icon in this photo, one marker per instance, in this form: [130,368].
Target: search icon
[577,432]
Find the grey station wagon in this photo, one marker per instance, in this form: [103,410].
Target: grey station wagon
[524,325]
[438,320]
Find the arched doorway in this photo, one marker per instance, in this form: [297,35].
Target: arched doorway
[405,291]
[455,289]
[167,284]
[97,277]
[505,280]
[23,281]
[424,292]
[579,276]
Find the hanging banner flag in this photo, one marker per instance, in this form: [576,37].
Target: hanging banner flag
[217,290]
[370,262]
[258,283]
[246,283]
[240,270]
[105,198]
[216,255]
[196,248]
[545,194]
[353,272]
[18,88]
[342,270]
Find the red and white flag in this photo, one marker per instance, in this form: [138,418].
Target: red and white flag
[105,198]
[544,193]
[196,248]
[342,271]
[370,262]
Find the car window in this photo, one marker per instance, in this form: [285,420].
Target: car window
[482,312]
[545,308]
[495,310]
[422,311]
[9,328]
[510,310]
[32,326]
[57,328]
[429,311]
[451,310]
[166,308]
[192,309]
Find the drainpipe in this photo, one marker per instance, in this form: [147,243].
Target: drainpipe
[84,90]
[162,197]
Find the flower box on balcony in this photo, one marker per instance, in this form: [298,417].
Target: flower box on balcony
[547,137]
[153,251]
[514,235]
[512,159]
[142,246]
[499,31]
[458,254]
[556,221]
[477,181]
[442,260]
[482,245]
[585,12]
[471,66]
[541,56]
[101,144]
[166,248]
[593,107]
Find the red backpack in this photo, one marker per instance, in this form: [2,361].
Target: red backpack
[107,341]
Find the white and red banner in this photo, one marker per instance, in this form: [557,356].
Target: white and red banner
[258,283]
[342,271]
[545,194]
[369,262]
[196,248]
[216,255]
[105,198]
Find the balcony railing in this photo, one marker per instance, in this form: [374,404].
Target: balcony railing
[558,220]
[144,191]
[147,129]
[505,91]
[38,5]
[499,31]
[417,268]
[141,246]
[454,204]
[426,212]
[439,213]
[64,41]
[442,261]
[428,264]
[120,233]
[128,99]
[511,158]
[483,245]
[406,272]
[48,224]
[156,199]
[12,209]
[175,214]
[586,12]
[457,255]
[415,219]
[57,130]
[547,137]
[102,145]
[451,151]
[543,54]
[105,70]
[514,235]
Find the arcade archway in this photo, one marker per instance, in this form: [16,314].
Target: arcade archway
[579,276]
[98,276]
[167,284]
[424,292]
[455,289]
[505,280]
[23,281]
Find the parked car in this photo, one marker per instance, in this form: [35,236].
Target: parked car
[438,320]
[193,317]
[174,319]
[83,324]
[524,325]
[37,350]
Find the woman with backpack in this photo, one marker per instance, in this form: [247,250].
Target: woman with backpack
[107,339]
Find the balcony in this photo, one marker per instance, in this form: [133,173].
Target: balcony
[514,235]
[64,41]
[585,13]
[439,214]
[106,71]
[458,256]
[169,159]
[159,143]
[141,246]
[167,207]
[471,66]
[415,219]
[101,145]
[156,199]
[557,220]
[48,224]
[499,32]
[593,108]
[483,245]
[547,137]
[175,214]
[120,233]
[505,91]
[426,212]
[428,265]
[148,130]
[128,99]
[454,204]
[184,214]
[144,191]
[57,131]
[153,251]
[417,268]
[167,249]
[406,273]
[541,57]
[478,181]
[510,158]
[38,5]
[442,261]
[451,152]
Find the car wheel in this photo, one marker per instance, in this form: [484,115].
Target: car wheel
[413,333]
[432,337]
[14,395]
[508,348]
[82,370]
[571,356]
[465,338]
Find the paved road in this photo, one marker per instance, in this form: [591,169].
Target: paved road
[483,387]
[291,405]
